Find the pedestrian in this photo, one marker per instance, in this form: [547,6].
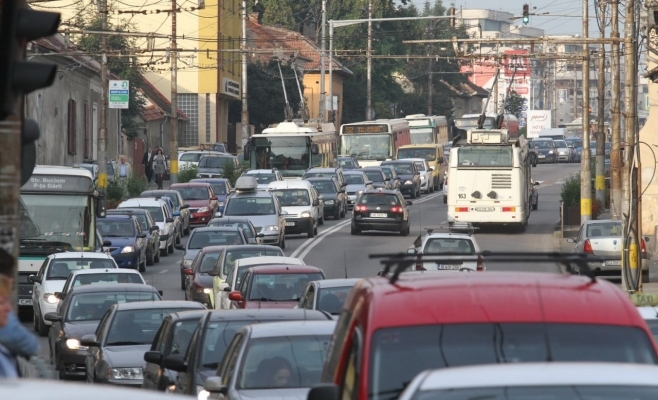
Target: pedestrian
[123,170]
[202,147]
[148,163]
[159,167]
[15,339]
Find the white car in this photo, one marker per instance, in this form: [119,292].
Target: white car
[458,241]
[52,276]
[303,203]
[426,175]
[162,217]
[241,265]
[542,380]
[191,158]
[264,176]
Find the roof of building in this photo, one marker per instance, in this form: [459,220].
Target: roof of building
[160,106]
[272,37]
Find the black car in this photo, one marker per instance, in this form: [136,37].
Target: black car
[127,240]
[335,200]
[244,223]
[378,178]
[198,285]
[173,338]
[546,150]
[181,209]
[390,174]
[212,336]
[348,162]
[126,332]
[381,210]
[409,176]
[148,226]
[327,173]
[79,314]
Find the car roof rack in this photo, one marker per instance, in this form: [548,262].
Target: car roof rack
[396,263]
[246,184]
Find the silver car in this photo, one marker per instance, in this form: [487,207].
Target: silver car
[278,360]
[357,183]
[565,151]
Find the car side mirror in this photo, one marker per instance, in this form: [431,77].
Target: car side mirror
[52,317]
[107,243]
[89,340]
[153,357]
[213,273]
[33,279]
[235,296]
[571,240]
[227,289]
[141,235]
[184,206]
[214,385]
[412,250]
[417,173]
[409,203]
[324,391]
[179,247]
[175,362]
[161,293]
[341,191]
[368,183]
[59,295]
[154,228]
[169,220]
[284,212]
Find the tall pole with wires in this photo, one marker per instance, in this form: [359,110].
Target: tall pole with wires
[173,119]
[599,182]
[323,97]
[243,85]
[369,66]
[615,152]
[585,167]
[102,133]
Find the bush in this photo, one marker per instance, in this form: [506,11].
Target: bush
[187,173]
[114,192]
[571,191]
[232,173]
[135,185]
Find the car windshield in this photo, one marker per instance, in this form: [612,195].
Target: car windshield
[208,263]
[346,163]
[374,176]
[156,213]
[292,197]
[190,157]
[116,227]
[560,143]
[317,174]
[201,239]
[143,222]
[332,299]
[604,229]
[280,287]
[449,245]
[354,179]
[283,362]
[217,337]
[194,193]
[104,278]
[403,168]
[218,188]
[263,179]
[480,156]
[561,392]
[168,196]
[244,226]
[324,186]
[62,267]
[233,255]
[250,206]
[575,143]
[380,199]
[543,144]
[420,166]
[387,172]
[214,162]
[428,154]
[399,354]
[92,306]
[183,331]
[134,327]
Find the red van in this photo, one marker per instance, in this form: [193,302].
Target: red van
[390,332]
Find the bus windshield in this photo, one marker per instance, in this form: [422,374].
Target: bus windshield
[290,155]
[367,146]
[472,123]
[422,135]
[484,157]
[62,221]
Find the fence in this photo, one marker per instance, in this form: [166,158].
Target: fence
[36,368]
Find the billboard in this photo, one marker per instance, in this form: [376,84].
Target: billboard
[538,120]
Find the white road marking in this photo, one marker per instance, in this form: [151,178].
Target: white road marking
[318,238]
[164,271]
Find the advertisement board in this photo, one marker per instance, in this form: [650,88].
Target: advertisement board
[538,120]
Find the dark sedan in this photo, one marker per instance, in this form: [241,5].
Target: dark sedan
[128,242]
[335,198]
[409,176]
[546,150]
[244,223]
[173,338]
[212,337]
[116,350]
[148,226]
[378,178]
[198,285]
[79,315]
[381,210]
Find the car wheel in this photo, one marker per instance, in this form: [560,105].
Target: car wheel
[170,249]
[42,328]
[150,259]
[445,199]
[182,281]
[311,231]
[354,231]
[536,205]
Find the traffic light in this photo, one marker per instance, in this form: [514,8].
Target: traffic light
[18,26]
[526,14]
[451,13]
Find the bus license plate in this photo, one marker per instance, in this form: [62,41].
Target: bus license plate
[24,302]
[378,215]
[485,209]
[449,266]
[613,262]
[290,224]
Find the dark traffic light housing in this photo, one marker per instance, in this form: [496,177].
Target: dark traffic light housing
[526,14]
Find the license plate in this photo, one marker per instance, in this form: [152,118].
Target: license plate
[290,224]
[24,302]
[613,262]
[448,266]
[542,156]
[485,209]
[378,215]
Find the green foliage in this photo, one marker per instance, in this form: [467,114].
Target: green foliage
[187,173]
[232,173]
[570,194]
[279,13]
[514,104]
[135,185]
[523,131]
[114,192]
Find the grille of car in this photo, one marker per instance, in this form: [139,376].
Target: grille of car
[193,210]
[501,181]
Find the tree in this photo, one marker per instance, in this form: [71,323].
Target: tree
[514,104]
[124,67]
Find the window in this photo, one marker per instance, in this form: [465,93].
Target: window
[207,117]
[87,149]
[188,103]
[229,367]
[71,128]
[350,381]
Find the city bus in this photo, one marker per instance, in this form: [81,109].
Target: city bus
[292,148]
[470,121]
[58,208]
[372,142]
[428,129]
[490,181]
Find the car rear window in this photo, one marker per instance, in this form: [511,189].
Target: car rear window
[105,278]
[381,199]
[374,176]
[280,287]
[604,229]
[354,179]
[449,245]
[203,239]
[190,157]
[399,354]
[571,392]
[92,306]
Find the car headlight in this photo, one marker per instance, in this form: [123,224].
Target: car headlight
[201,393]
[187,263]
[50,298]
[125,373]
[270,228]
[550,152]
[359,193]
[128,249]
[172,389]
[305,214]
[206,291]
[408,182]
[328,202]
[74,344]
[202,210]
[422,177]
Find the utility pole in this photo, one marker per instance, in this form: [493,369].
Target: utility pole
[102,134]
[243,85]
[323,97]
[575,92]
[331,72]
[369,78]
[599,183]
[495,89]
[429,89]
[173,135]
[615,153]
[585,174]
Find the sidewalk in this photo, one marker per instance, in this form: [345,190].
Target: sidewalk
[560,244]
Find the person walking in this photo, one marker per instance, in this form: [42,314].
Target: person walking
[148,163]
[123,170]
[159,167]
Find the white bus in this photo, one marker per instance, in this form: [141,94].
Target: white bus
[428,129]
[490,181]
[59,206]
[292,148]
[372,142]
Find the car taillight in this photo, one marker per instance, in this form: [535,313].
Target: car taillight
[480,264]
[360,208]
[461,209]
[643,246]
[396,209]
[509,209]
[587,247]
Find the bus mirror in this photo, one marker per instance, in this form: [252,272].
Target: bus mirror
[247,151]
[101,207]
[315,149]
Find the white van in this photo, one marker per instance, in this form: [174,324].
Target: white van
[304,205]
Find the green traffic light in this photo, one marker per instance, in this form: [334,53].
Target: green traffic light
[526,20]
